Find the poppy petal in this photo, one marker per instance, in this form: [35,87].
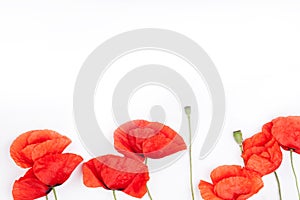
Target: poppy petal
[207,191]
[127,151]
[90,171]
[26,156]
[117,173]
[256,184]
[286,131]
[29,187]
[125,174]
[53,146]
[238,187]
[160,145]
[263,162]
[55,169]
[225,171]
[124,142]
[231,182]
[137,188]
[17,146]
[165,142]
[261,152]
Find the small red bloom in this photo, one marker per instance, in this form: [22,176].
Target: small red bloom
[286,130]
[116,173]
[261,152]
[33,145]
[139,139]
[29,187]
[231,182]
[55,169]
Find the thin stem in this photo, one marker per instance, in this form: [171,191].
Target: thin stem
[149,195]
[114,193]
[148,191]
[47,197]
[146,161]
[241,148]
[187,111]
[294,172]
[278,184]
[54,192]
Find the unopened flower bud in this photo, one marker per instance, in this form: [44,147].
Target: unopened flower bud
[238,137]
[187,110]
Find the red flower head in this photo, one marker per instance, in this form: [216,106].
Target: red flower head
[33,145]
[231,182]
[116,173]
[286,130]
[261,152]
[46,173]
[139,139]
[29,187]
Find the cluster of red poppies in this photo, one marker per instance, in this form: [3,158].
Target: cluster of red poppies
[261,154]
[41,151]
[136,140]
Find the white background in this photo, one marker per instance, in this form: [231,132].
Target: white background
[254,44]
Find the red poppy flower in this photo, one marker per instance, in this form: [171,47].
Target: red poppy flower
[116,173]
[55,169]
[286,130]
[139,139]
[261,152]
[29,187]
[231,182]
[33,145]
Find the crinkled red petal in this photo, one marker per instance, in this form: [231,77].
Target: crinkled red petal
[125,143]
[232,182]
[29,187]
[166,142]
[117,173]
[286,131]
[225,171]
[54,146]
[207,191]
[261,152]
[91,174]
[55,169]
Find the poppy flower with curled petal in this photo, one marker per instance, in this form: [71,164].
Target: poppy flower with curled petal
[33,145]
[139,139]
[286,130]
[261,152]
[29,187]
[231,182]
[116,173]
[55,169]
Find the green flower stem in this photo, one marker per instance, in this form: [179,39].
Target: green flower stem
[241,148]
[294,172]
[46,197]
[148,191]
[188,114]
[114,193]
[278,184]
[54,192]
[149,195]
